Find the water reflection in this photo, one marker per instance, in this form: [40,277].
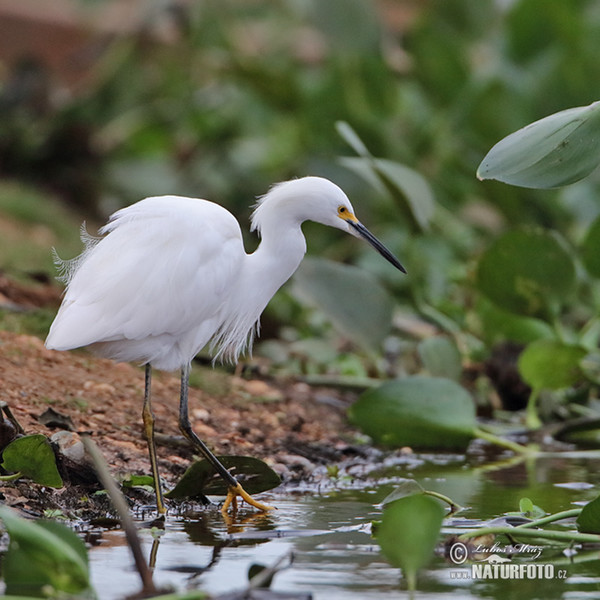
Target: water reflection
[328,535]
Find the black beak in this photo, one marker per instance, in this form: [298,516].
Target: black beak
[364,233]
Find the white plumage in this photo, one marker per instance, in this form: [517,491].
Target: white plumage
[170,275]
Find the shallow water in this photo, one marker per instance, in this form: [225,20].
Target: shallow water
[328,534]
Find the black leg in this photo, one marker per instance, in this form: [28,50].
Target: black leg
[188,432]
[235,489]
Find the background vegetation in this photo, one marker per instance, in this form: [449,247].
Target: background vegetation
[397,102]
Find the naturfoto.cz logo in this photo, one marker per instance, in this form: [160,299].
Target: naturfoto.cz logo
[498,567]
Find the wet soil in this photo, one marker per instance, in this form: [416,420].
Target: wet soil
[290,425]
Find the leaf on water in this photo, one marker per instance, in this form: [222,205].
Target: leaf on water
[551,364]
[42,554]
[353,300]
[527,271]
[440,357]
[201,479]
[588,520]
[405,487]
[417,411]
[530,510]
[33,457]
[555,151]
[408,533]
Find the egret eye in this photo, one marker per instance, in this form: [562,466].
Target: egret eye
[342,210]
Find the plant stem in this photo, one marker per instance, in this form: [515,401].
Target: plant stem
[10,477]
[565,514]
[498,441]
[520,532]
[454,507]
[118,501]
[531,417]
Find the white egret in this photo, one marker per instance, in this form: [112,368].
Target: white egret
[170,275]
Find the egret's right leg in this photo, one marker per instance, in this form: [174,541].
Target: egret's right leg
[235,488]
[148,418]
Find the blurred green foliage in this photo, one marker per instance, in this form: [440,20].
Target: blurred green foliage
[398,103]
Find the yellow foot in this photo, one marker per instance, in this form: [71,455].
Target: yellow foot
[231,500]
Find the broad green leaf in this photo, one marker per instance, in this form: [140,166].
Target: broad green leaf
[417,411]
[352,299]
[33,457]
[528,509]
[440,357]
[590,250]
[499,325]
[42,554]
[201,479]
[404,488]
[555,151]
[408,533]
[527,271]
[551,364]
[588,520]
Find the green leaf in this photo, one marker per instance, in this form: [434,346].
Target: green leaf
[530,510]
[441,357]
[551,364]
[555,151]
[498,325]
[408,533]
[527,271]
[201,479]
[417,411]
[590,249]
[42,554]
[33,457]
[588,520]
[407,187]
[144,481]
[404,488]
[353,299]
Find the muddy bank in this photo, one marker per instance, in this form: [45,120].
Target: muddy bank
[290,425]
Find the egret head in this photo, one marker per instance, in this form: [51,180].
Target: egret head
[314,199]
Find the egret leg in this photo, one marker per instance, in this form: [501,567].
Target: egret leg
[148,419]
[235,489]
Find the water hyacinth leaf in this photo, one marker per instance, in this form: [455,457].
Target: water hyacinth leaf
[417,411]
[201,479]
[353,300]
[41,555]
[554,151]
[33,457]
[408,533]
[590,249]
[404,488]
[551,364]
[527,271]
[588,520]
[440,357]
[498,325]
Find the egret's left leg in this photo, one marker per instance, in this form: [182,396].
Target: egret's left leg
[235,489]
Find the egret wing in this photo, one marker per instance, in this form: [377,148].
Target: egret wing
[164,267]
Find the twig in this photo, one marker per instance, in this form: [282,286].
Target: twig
[118,501]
